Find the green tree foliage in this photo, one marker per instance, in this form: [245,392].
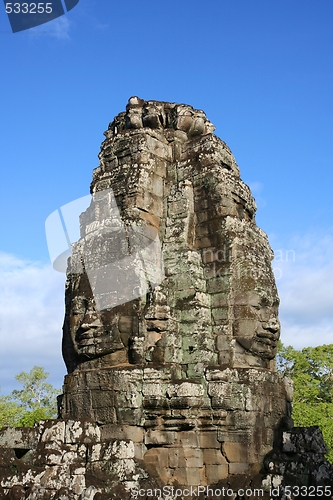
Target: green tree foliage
[311,370]
[9,412]
[34,402]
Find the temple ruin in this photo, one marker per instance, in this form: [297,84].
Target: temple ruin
[170,333]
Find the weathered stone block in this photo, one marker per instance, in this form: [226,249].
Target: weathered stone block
[186,402]
[13,437]
[208,439]
[55,432]
[155,402]
[78,483]
[123,449]
[239,468]
[193,458]
[180,475]
[215,473]
[154,389]
[213,456]
[7,456]
[235,452]
[101,399]
[105,415]
[158,457]
[53,476]
[139,451]
[188,439]
[95,452]
[51,456]
[176,458]
[160,437]
[193,475]
[122,432]
[130,416]
[219,283]
[125,399]
[81,432]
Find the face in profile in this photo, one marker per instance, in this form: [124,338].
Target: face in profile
[91,333]
[256,324]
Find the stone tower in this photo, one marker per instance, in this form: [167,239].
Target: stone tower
[170,334]
[188,366]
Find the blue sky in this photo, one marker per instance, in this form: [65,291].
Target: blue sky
[262,70]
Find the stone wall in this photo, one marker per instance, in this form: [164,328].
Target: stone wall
[66,460]
[220,425]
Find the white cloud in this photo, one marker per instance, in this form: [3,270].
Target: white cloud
[305,281]
[58,28]
[31,316]
[256,187]
[256,190]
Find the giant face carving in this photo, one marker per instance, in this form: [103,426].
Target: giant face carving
[256,324]
[209,210]
[91,333]
[113,266]
[253,291]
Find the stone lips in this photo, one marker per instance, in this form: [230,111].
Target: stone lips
[179,383]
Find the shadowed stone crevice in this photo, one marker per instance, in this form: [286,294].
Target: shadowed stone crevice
[170,332]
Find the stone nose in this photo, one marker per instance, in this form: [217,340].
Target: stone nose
[273,325]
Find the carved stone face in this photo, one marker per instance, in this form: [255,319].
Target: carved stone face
[92,333]
[256,325]
[153,116]
[190,121]
[134,118]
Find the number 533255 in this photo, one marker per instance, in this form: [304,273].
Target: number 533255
[28,8]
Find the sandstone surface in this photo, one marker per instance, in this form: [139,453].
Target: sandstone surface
[170,333]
